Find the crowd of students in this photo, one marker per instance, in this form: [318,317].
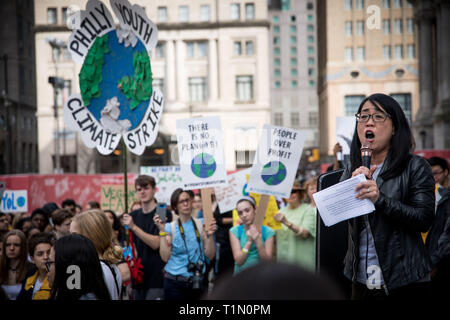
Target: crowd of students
[176,256]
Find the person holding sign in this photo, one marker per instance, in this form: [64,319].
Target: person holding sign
[250,245]
[386,257]
[296,241]
[185,245]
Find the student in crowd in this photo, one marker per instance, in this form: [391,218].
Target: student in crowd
[311,188]
[136,205]
[197,206]
[61,220]
[296,241]
[4,224]
[39,219]
[92,205]
[69,204]
[118,230]
[184,245]
[14,264]
[32,231]
[386,257]
[24,225]
[94,225]
[146,240]
[250,245]
[76,250]
[78,209]
[438,238]
[36,285]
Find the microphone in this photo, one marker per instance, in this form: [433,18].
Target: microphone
[366,154]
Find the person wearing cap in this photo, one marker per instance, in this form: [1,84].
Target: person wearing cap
[248,244]
[296,240]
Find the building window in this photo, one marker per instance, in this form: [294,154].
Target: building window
[351,104]
[404,100]
[249,11]
[276,19]
[410,26]
[276,40]
[360,53]
[359,4]
[158,83]
[294,84]
[397,3]
[293,51]
[285,5]
[349,54]
[310,28]
[360,28]
[387,26]
[159,52]
[278,118]
[310,50]
[310,18]
[277,84]
[310,39]
[64,15]
[348,28]
[249,50]
[162,14]
[295,119]
[293,18]
[244,88]
[244,158]
[237,48]
[293,62]
[311,61]
[398,51]
[197,89]
[235,11]
[183,13]
[277,73]
[293,29]
[386,4]
[312,83]
[398,26]
[310,6]
[293,39]
[313,118]
[410,51]
[204,13]
[276,51]
[310,71]
[52,17]
[294,72]
[387,52]
[196,49]
[348,4]
[276,62]
[276,29]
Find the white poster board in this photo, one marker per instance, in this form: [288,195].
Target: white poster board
[201,152]
[14,201]
[276,161]
[168,179]
[227,196]
[345,126]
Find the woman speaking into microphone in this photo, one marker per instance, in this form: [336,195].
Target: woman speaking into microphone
[386,257]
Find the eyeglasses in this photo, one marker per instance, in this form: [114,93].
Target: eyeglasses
[377,117]
[48,265]
[185,201]
[438,173]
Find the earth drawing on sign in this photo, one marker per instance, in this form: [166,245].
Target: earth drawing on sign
[273,173]
[203,165]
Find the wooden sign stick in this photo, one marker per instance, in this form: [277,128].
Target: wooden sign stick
[261,211]
[207,206]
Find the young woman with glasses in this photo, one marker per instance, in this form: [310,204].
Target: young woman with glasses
[185,244]
[386,257]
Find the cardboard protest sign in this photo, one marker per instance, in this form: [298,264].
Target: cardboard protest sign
[168,179]
[14,201]
[276,161]
[117,98]
[112,197]
[227,196]
[201,152]
[345,126]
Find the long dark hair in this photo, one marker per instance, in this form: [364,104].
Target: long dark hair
[176,195]
[75,249]
[401,141]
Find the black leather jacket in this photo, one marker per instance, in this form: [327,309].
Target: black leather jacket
[405,208]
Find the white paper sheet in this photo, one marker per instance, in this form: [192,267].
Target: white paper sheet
[338,202]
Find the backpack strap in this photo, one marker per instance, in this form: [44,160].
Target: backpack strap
[114,276]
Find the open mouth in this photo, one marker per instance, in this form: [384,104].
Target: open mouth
[370,135]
